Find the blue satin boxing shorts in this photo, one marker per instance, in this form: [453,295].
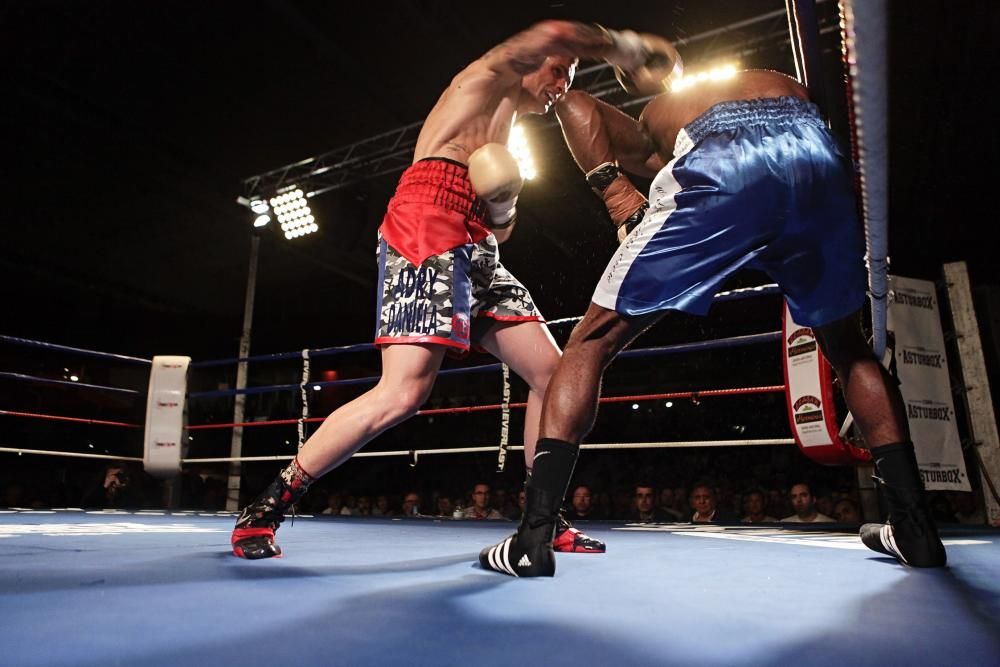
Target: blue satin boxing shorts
[754,183]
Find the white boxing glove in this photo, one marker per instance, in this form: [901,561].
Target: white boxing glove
[497,180]
[644,64]
[628,50]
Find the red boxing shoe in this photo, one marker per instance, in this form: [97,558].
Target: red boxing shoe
[570,540]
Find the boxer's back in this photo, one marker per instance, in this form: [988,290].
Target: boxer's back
[667,114]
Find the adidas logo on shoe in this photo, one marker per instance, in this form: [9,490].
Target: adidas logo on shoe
[511,558]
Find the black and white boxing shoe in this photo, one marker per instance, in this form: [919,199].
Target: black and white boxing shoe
[910,536]
[526,553]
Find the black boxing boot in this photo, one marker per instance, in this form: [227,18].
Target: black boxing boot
[910,535]
[528,552]
[253,536]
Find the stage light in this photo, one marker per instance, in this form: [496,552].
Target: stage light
[517,144]
[669,404]
[261,220]
[293,213]
[718,73]
[635,406]
[259,206]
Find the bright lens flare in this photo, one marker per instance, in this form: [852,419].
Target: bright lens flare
[517,144]
[720,73]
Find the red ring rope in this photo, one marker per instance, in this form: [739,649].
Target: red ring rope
[68,419]
[771,389]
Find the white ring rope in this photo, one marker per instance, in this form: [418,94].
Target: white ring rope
[679,444]
[15,450]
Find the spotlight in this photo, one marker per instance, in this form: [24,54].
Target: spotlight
[261,220]
[719,73]
[293,213]
[517,144]
[669,404]
[259,206]
[635,406]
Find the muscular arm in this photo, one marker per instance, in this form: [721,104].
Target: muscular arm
[596,133]
[601,138]
[526,51]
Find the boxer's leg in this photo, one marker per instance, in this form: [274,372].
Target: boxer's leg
[408,373]
[528,348]
[572,398]
[530,351]
[568,414]
[873,398]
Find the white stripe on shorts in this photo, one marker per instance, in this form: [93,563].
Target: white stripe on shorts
[662,204]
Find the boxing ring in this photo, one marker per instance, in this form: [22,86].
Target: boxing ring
[155,588]
[161,587]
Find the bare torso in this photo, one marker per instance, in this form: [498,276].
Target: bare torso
[664,117]
[477,108]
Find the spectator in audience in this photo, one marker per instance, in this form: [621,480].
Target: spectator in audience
[667,504]
[522,500]
[445,508]
[381,507]
[364,506]
[115,488]
[581,505]
[804,506]
[846,511]
[645,509]
[411,504]
[705,506]
[480,507]
[680,501]
[824,502]
[334,504]
[755,508]
[350,505]
[777,501]
[502,502]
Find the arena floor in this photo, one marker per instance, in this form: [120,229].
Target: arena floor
[100,588]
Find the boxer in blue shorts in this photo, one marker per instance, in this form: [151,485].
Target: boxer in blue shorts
[745,174]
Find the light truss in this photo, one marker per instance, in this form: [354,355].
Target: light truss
[392,151]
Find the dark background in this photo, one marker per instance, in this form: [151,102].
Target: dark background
[128,127]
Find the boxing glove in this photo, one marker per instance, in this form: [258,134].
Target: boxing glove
[644,64]
[497,180]
[626,205]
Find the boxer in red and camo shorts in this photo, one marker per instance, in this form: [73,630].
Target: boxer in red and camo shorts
[441,282]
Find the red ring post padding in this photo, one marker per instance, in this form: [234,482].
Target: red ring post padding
[809,394]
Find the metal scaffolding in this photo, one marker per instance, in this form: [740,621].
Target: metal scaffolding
[393,151]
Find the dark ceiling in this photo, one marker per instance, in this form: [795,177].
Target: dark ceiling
[128,128]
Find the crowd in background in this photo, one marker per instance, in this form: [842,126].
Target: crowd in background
[740,486]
